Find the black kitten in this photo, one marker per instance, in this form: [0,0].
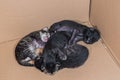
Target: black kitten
[88,34]
[76,56]
[26,48]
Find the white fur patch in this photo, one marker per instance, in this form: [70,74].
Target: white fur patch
[45,29]
[27,59]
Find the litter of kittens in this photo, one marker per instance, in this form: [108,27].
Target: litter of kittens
[59,44]
[101,59]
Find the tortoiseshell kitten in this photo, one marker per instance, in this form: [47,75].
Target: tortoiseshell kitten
[25,50]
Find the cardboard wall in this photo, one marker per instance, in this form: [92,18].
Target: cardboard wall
[19,17]
[105,14]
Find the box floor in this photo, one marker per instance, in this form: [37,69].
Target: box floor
[99,66]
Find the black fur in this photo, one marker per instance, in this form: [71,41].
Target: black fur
[76,56]
[87,34]
[53,48]
[55,53]
[56,43]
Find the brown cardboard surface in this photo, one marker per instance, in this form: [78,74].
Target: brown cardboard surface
[105,14]
[99,66]
[19,17]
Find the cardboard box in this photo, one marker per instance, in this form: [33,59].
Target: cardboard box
[18,18]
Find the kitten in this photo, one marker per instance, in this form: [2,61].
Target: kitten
[76,57]
[80,32]
[25,51]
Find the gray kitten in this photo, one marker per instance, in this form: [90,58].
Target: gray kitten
[25,50]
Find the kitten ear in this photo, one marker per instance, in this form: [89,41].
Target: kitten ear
[45,29]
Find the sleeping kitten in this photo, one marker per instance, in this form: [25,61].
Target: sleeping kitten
[76,57]
[79,32]
[26,48]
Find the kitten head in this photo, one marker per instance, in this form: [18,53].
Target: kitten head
[91,35]
[44,34]
[47,64]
